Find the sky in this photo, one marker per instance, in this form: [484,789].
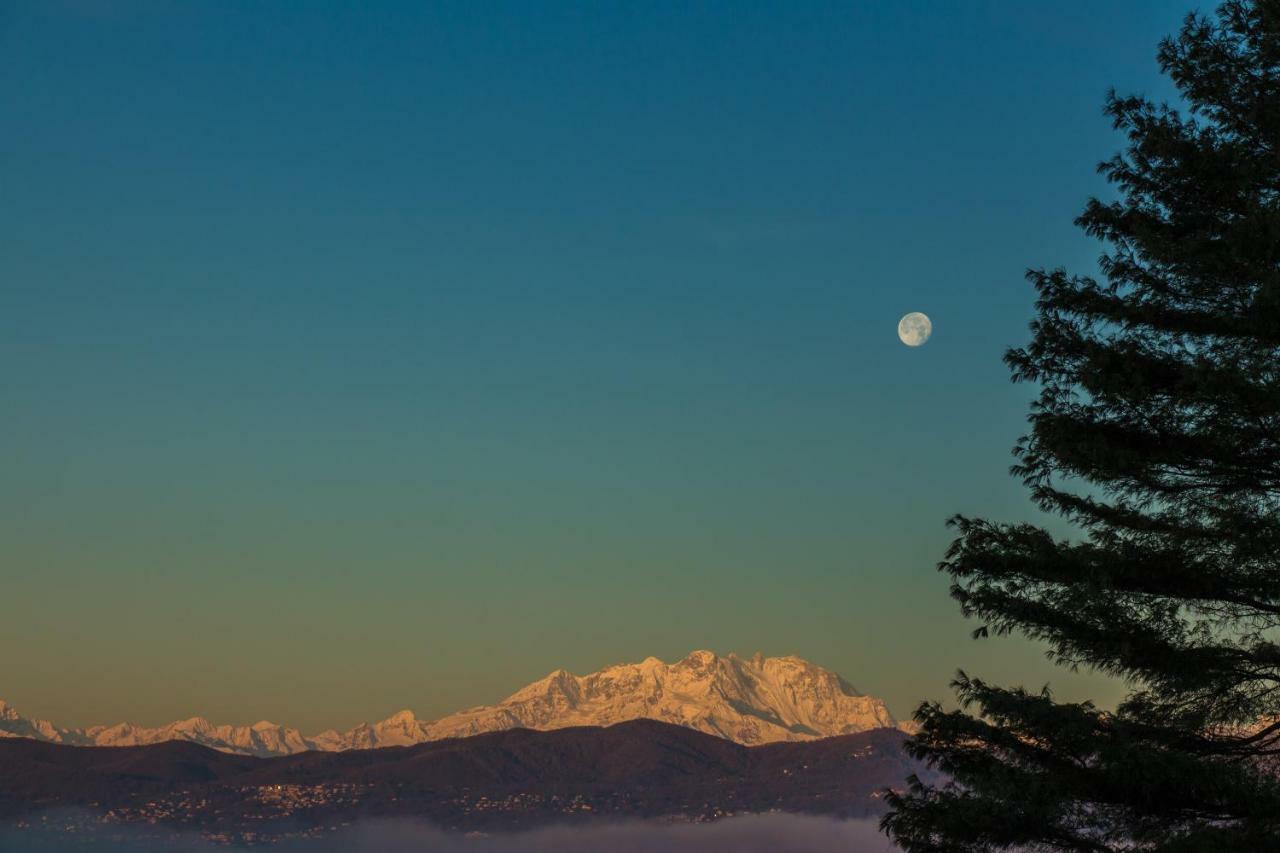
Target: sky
[358,357]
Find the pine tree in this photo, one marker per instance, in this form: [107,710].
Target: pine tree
[1156,435]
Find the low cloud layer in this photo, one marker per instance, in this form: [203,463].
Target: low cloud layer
[754,834]
[760,834]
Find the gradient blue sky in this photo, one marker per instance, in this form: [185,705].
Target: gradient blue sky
[363,356]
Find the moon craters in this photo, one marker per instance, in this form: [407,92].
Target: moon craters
[914,329]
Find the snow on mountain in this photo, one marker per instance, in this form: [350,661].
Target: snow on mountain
[761,700]
[261,738]
[12,724]
[750,701]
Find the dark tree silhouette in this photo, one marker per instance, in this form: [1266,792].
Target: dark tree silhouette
[1156,434]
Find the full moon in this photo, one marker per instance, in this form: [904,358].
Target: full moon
[914,329]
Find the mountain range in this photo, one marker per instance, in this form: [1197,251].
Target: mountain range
[504,780]
[751,701]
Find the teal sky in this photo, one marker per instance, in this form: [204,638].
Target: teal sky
[366,356]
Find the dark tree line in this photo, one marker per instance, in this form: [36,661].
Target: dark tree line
[1156,434]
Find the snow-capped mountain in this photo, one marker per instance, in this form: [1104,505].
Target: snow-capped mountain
[750,701]
[262,738]
[12,724]
[754,701]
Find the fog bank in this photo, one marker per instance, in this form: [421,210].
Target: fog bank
[750,834]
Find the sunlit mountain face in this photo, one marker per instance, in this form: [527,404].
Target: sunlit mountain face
[748,701]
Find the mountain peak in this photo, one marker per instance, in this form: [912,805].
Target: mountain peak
[193,724]
[699,658]
[405,716]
